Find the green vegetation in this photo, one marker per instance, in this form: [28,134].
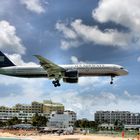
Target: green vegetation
[86,124]
[118,125]
[2,124]
[39,120]
[13,121]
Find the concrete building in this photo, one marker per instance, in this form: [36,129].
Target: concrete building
[62,119]
[106,126]
[124,117]
[24,111]
[21,111]
[49,106]
[35,107]
[132,127]
[4,116]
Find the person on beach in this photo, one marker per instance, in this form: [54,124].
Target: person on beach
[138,136]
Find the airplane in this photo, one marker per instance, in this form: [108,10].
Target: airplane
[50,70]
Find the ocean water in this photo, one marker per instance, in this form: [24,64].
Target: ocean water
[8,139]
[12,139]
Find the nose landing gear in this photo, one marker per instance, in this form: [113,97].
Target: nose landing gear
[111,82]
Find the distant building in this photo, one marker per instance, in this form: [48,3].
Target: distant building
[132,127]
[49,106]
[106,126]
[124,117]
[62,119]
[4,116]
[35,107]
[26,112]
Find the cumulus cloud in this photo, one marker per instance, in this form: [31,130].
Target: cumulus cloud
[12,44]
[70,36]
[128,14]
[138,59]
[17,60]
[9,40]
[68,33]
[30,90]
[126,93]
[34,6]
[131,97]
[78,33]
[74,59]
[66,44]
[93,81]
[95,35]
[87,102]
[83,103]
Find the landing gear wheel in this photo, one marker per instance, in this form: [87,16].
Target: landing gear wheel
[111,80]
[56,83]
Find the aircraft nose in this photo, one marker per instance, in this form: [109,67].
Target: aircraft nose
[125,72]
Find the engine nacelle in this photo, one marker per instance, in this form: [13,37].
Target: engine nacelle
[70,80]
[71,74]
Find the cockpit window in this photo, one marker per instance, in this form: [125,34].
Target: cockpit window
[121,68]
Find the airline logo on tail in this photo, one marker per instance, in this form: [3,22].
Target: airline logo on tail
[4,61]
[1,58]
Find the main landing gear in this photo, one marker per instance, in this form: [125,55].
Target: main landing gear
[56,83]
[111,82]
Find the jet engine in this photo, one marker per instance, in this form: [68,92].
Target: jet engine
[70,80]
[71,76]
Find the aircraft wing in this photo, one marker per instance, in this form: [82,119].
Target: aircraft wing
[50,67]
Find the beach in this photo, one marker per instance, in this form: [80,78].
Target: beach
[65,137]
[77,137]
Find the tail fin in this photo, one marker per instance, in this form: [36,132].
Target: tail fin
[4,61]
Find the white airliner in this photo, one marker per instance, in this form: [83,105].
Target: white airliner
[69,73]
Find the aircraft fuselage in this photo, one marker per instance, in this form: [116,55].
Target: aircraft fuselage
[83,70]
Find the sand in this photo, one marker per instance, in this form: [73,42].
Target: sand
[77,137]
[65,137]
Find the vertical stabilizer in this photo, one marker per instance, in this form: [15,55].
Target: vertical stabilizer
[4,61]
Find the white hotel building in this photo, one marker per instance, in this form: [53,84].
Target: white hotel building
[62,119]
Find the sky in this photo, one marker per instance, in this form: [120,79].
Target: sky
[70,32]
